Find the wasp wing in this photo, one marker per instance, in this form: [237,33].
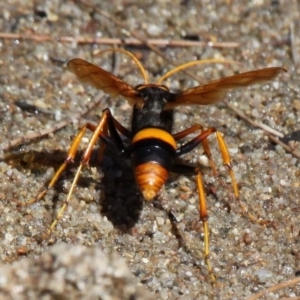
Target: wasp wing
[103,80]
[216,90]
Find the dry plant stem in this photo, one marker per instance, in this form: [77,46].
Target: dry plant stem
[294,48]
[116,41]
[253,123]
[270,133]
[283,145]
[274,288]
[58,126]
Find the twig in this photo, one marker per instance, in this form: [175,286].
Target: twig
[264,127]
[117,41]
[283,145]
[271,133]
[58,126]
[294,48]
[275,288]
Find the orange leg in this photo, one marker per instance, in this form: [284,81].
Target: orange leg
[202,138]
[106,125]
[227,163]
[204,218]
[70,158]
[102,145]
[203,213]
[97,132]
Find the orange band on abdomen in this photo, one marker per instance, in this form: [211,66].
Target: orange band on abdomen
[155,133]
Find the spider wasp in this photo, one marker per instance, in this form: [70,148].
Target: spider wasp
[153,148]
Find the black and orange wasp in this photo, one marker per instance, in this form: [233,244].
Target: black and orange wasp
[152,146]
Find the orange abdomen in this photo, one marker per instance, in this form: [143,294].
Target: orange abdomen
[150,177]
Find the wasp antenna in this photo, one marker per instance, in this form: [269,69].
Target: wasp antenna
[193,63]
[138,63]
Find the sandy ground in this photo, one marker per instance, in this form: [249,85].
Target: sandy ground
[161,242]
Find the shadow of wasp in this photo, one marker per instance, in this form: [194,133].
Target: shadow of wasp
[152,147]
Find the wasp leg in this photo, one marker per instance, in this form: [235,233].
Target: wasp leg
[204,142]
[203,214]
[202,138]
[114,139]
[124,131]
[227,162]
[102,144]
[105,125]
[73,150]
[70,158]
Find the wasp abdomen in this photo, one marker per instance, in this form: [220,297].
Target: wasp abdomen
[152,154]
[150,177]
